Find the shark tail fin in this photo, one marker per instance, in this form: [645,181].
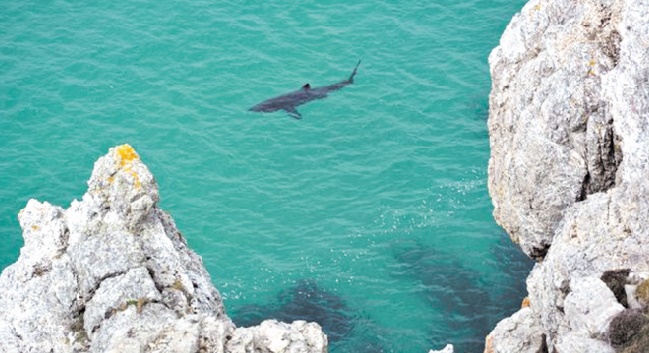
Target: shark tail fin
[351,78]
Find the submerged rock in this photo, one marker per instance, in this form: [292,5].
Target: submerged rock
[306,301]
[451,289]
[113,274]
[569,166]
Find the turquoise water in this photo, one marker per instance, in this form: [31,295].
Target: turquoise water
[370,215]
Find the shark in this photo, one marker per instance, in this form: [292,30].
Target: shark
[290,101]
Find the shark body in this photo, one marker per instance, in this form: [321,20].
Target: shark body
[290,101]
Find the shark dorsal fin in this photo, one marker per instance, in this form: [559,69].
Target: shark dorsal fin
[307,86]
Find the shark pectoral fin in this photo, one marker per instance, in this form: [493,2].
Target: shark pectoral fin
[293,112]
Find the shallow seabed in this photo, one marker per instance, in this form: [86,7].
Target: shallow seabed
[370,215]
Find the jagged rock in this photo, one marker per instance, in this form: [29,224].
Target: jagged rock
[579,343]
[569,166]
[553,138]
[590,306]
[448,349]
[275,337]
[519,333]
[113,274]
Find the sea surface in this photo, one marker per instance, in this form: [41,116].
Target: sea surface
[370,215]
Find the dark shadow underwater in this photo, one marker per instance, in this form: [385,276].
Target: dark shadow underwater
[472,305]
[308,301]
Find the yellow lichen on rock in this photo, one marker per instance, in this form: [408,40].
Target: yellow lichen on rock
[178,285]
[126,154]
[526,302]
[140,304]
[136,178]
[591,67]
[642,292]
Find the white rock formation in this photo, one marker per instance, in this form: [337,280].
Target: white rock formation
[448,349]
[519,333]
[569,167]
[113,274]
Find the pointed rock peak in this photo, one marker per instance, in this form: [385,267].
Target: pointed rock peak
[122,182]
[125,154]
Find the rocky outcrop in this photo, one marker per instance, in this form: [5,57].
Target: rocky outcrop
[569,167]
[448,349]
[113,274]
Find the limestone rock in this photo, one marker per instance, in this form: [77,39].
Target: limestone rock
[448,349]
[113,274]
[579,343]
[590,306]
[521,333]
[569,166]
[553,138]
[272,336]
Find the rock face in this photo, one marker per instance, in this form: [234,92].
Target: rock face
[113,274]
[569,167]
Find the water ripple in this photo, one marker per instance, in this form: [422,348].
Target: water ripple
[375,187]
